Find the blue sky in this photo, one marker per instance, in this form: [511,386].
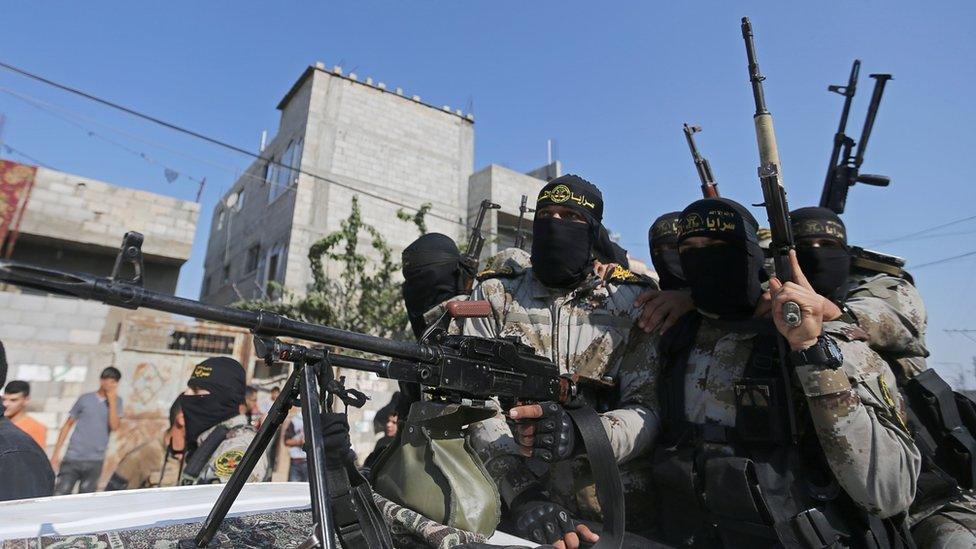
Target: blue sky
[610,82]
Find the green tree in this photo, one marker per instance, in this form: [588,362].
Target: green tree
[366,295]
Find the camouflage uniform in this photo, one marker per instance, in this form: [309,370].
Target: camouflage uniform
[891,311]
[584,331]
[149,465]
[222,462]
[855,412]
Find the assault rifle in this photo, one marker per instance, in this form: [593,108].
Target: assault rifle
[708,186]
[476,242]
[519,234]
[453,369]
[845,164]
[774,200]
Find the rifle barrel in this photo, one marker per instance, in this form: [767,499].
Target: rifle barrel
[122,294]
[879,84]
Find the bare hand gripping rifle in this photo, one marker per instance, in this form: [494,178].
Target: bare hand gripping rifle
[451,368]
[708,185]
[845,163]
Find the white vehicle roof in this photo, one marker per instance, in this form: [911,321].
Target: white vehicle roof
[134,509]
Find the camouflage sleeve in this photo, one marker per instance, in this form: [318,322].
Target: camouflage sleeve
[492,291]
[230,453]
[492,437]
[634,425]
[892,312]
[406,523]
[858,415]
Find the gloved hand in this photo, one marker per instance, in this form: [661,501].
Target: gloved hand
[544,430]
[547,522]
[335,439]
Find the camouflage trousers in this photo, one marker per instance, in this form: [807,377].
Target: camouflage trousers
[952,526]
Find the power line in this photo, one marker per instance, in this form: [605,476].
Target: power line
[923,231]
[66,115]
[944,260]
[218,142]
[22,154]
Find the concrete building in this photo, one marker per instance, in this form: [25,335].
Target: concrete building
[341,136]
[60,344]
[344,137]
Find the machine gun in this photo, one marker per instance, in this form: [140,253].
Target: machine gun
[451,368]
[845,163]
[476,242]
[708,186]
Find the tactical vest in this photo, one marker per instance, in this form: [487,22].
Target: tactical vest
[755,484]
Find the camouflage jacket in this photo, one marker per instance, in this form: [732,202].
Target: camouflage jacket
[222,462]
[584,331]
[149,465]
[856,410]
[892,312]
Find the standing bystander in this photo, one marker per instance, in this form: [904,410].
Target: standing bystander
[295,441]
[94,416]
[16,397]
[24,470]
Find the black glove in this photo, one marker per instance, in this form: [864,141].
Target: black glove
[554,433]
[335,439]
[543,521]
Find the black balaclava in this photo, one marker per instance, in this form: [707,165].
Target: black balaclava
[608,251]
[562,250]
[224,378]
[726,281]
[431,274]
[666,262]
[827,269]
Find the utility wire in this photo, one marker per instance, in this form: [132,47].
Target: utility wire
[22,154]
[218,142]
[944,260]
[68,115]
[923,231]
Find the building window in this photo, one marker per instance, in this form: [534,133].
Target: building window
[206,286]
[236,201]
[225,274]
[276,259]
[283,177]
[220,219]
[252,259]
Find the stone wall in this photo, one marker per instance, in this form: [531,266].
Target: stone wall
[71,208]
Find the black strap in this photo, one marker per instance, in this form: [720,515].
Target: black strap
[201,456]
[675,347]
[358,522]
[606,474]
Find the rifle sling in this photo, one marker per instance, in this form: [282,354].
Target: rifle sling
[606,474]
[201,456]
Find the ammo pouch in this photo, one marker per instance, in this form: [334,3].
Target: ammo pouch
[431,469]
[949,422]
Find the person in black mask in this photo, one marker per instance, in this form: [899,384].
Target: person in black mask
[217,433]
[730,467]
[432,274]
[662,238]
[821,248]
[566,312]
[661,309]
